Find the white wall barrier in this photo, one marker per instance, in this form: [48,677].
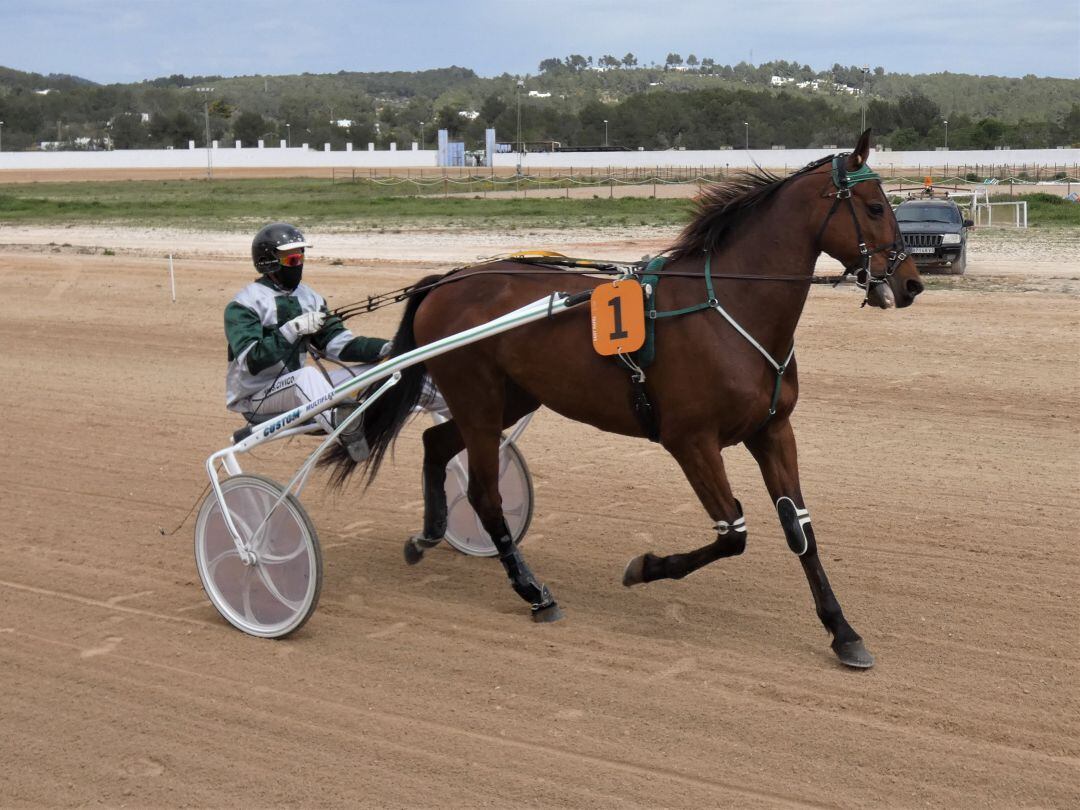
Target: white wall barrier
[194,158]
[303,157]
[790,159]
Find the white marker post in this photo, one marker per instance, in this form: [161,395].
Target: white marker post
[172,279]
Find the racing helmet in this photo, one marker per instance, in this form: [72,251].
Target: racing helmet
[272,238]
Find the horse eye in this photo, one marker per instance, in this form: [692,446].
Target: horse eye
[877,209]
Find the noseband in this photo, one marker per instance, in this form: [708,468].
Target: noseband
[894,252]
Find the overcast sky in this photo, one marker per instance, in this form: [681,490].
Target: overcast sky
[131,40]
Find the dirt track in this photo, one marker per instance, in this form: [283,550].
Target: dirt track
[940,461]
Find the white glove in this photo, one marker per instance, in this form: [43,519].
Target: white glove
[307,324]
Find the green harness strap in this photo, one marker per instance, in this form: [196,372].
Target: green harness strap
[644,357]
[650,281]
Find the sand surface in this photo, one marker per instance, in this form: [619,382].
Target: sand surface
[939,459]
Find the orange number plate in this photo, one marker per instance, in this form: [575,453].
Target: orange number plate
[618,317]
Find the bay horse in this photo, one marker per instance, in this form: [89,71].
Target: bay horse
[716,381]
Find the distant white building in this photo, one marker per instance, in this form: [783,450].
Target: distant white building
[538,94]
[472,115]
[343,122]
[777,81]
[46,92]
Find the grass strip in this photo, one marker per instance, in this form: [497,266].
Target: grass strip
[227,204]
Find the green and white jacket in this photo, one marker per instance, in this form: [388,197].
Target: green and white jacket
[258,351]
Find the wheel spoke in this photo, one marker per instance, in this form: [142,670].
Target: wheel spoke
[247,598]
[214,563]
[278,559]
[268,583]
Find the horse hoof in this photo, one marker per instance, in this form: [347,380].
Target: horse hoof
[547,613]
[854,654]
[414,552]
[635,572]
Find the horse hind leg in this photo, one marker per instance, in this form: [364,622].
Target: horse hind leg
[703,465]
[480,427]
[522,580]
[441,443]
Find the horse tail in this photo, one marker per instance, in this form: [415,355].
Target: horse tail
[383,420]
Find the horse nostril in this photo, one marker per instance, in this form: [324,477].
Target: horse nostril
[914,287]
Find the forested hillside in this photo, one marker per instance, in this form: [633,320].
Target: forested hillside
[686,102]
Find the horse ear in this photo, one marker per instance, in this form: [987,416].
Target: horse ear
[861,152]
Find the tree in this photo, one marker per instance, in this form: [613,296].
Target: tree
[129,132]
[609,62]
[673,59]
[551,66]
[988,133]
[249,128]
[221,109]
[629,61]
[174,130]
[918,112]
[576,62]
[691,60]
[491,109]
[447,118]
[1070,125]
[905,139]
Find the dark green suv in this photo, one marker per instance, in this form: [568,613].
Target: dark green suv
[935,233]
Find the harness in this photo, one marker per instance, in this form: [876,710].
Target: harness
[638,361]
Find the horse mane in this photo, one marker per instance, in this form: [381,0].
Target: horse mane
[721,207]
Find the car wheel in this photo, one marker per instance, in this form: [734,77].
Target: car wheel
[960,265]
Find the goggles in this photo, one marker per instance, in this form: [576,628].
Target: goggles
[291,260]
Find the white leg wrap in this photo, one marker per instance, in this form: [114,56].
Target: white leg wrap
[796,524]
[737,525]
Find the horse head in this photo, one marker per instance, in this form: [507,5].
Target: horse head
[860,230]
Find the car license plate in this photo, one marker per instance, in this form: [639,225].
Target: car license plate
[921,250]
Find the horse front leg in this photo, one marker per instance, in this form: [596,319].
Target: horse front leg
[701,461]
[774,449]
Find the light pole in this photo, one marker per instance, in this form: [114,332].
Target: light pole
[947,136]
[865,72]
[1,136]
[288,135]
[206,118]
[421,134]
[209,158]
[605,132]
[521,146]
[747,125]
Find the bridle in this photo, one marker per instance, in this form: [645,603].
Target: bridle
[844,181]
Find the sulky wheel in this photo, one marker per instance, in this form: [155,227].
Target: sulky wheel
[276,594]
[463,529]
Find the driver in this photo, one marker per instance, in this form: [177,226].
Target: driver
[269,326]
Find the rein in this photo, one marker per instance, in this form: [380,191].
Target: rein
[568,267]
